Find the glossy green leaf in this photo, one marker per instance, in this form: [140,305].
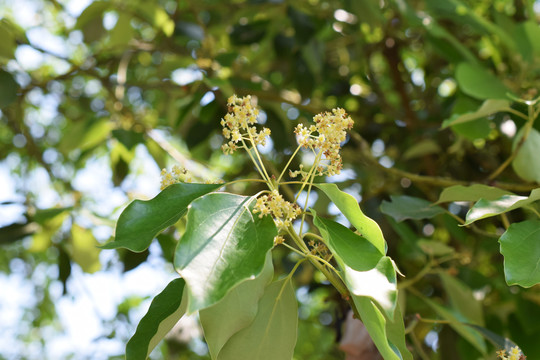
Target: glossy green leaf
[355,250]
[489,107]
[526,164]
[467,332]
[8,89]
[404,207]
[235,311]
[462,299]
[272,334]
[349,207]
[484,208]
[471,193]
[164,312]
[376,323]
[224,244]
[520,246]
[365,270]
[142,220]
[84,249]
[477,82]
[395,332]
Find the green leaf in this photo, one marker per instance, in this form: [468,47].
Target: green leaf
[435,248]
[422,148]
[407,207]
[224,244]
[485,208]
[122,33]
[467,332]
[462,299]
[272,334]
[395,332]
[526,164]
[489,107]
[155,15]
[164,312]
[520,246]
[471,193]
[84,249]
[8,89]
[376,323]
[235,311]
[349,207]
[477,82]
[366,271]
[142,220]
[497,340]
[355,250]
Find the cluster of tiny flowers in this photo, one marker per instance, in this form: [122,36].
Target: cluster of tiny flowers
[280,209]
[279,240]
[237,124]
[176,175]
[318,248]
[330,129]
[515,354]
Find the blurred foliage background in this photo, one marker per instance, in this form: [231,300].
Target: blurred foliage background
[97,97]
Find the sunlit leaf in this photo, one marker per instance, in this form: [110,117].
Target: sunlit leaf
[471,193]
[164,312]
[484,208]
[224,244]
[489,107]
[349,207]
[84,249]
[272,334]
[476,81]
[526,164]
[404,207]
[520,246]
[235,311]
[142,220]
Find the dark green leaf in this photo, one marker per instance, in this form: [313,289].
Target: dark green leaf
[407,207]
[272,334]
[348,205]
[8,89]
[520,246]
[164,312]
[484,208]
[474,80]
[224,244]
[142,220]
[471,193]
[235,311]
